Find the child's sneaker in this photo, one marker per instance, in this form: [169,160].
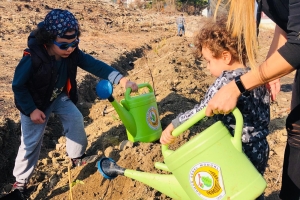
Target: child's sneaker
[84,159]
[14,195]
[20,186]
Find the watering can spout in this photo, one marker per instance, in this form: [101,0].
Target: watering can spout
[166,184]
[125,116]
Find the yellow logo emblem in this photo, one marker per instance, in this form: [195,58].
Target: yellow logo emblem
[153,118]
[206,180]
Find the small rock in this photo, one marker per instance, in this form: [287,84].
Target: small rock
[130,63]
[40,176]
[132,184]
[55,163]
[59,147]
[279,150]
[283,138]
[125,144]
[108,151]
[53,180]
[50,154]
[40,187]
[65,169]
[62,140]
[271,153]
[99,152]
[46,161]
[284,99]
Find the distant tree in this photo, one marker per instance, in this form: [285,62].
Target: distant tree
[192,7]
[158,5]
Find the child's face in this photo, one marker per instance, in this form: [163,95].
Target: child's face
[60,43]
[215,65]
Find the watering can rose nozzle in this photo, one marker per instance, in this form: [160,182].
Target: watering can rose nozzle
[104,89]
[109,168]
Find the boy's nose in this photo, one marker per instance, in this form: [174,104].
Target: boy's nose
[70,49]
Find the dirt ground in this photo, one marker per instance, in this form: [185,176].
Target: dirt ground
[143,46]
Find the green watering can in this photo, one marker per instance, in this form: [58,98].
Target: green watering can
[211,166]
[139,114]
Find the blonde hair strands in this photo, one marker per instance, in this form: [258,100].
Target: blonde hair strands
[241,23]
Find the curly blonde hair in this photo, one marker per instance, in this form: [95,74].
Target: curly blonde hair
[215,36]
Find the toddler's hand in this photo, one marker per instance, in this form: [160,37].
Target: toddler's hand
[166,136]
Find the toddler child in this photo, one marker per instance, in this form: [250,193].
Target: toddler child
[220,50]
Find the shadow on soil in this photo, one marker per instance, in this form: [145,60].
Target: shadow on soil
[9,143]
[273,196]
[286,87]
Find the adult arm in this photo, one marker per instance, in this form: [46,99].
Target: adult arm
[278,41]
[225,99]
[281,62]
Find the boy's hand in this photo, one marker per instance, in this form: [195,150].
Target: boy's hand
[127,83]
[37,116]
[134,87]
[166,136]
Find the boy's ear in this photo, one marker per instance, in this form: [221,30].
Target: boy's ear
[226,56]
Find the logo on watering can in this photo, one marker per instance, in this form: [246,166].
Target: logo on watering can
[152,118]
[206,180]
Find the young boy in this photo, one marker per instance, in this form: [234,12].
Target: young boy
[45,83]
[220,50]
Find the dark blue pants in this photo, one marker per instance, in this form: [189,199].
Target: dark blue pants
[180,27]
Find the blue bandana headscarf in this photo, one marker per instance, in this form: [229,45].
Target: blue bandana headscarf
[59,21]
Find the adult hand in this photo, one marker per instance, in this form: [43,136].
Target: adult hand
[274,88]
[37,116]
[127,83]
[224,101]
[166,136]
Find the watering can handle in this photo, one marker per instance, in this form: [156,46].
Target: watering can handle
[128,90]
[236,139]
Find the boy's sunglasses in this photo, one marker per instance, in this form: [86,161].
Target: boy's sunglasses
[65,45]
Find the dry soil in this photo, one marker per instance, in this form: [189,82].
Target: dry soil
[143,45]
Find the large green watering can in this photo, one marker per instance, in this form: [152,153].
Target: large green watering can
[211,166]
[139,114]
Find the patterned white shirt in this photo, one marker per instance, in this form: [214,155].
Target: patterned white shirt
[255,108]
